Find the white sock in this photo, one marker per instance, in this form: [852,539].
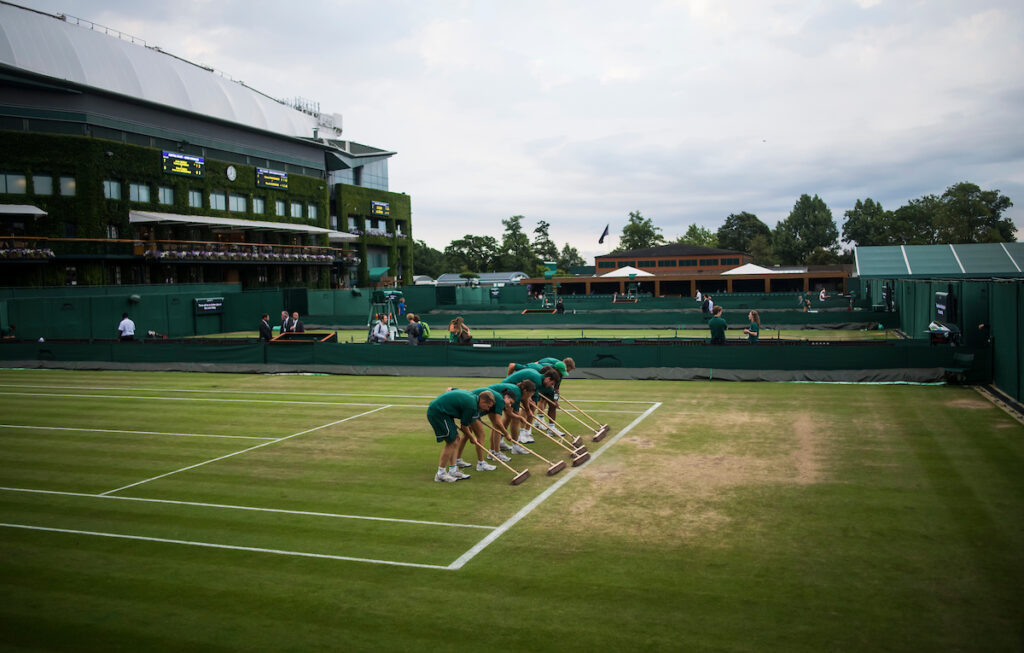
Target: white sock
[440,470]
[452,468]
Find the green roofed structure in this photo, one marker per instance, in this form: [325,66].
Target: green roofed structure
[941,261]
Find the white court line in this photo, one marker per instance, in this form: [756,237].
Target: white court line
[528,508]
[188,435]
[268,392]
[239,400]
[206,462]
[305,513]
[221,546]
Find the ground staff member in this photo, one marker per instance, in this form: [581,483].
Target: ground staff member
[546,383]
[126,329]
[563,366]
[754,330]
[718,326]
[441,414]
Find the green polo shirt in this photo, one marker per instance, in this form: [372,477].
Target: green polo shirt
[459,404]
[498,390]
[717,326]
[538,380]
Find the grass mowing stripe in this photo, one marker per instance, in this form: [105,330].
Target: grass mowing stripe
[528,508]
[187,435]
[306,513]
[240,399]
[211,545]
[206,462]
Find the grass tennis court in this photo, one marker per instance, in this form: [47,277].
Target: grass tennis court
[166,511]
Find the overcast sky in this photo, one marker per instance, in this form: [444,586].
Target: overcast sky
[579,112]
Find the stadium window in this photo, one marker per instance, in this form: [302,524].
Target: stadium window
[236,203]
[68,186]
[218,200]
[138,192]
[258,205]
[606,264]
[195,199]
[296,209]
[647,264]
[623,264]
[13,184]
[165,195]
[311,211]
[687,263]
[705,262]
[112,231]
[730,261]
[279,208]
[111,189]
[667,264]
[42,184]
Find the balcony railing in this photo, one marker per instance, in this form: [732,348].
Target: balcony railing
[171,251]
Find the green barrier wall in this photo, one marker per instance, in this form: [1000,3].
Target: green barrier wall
[371,359]
[56,292]
[1006,307]
[691,318]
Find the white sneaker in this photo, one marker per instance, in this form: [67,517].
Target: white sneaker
[444,477]
[484,466]
[505,446]
[458,475]
[517,449]
[525,438]
[462,463]
[554,429]
[500,456]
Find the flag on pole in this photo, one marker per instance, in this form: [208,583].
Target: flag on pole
[603,235]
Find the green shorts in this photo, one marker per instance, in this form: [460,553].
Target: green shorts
[444,426]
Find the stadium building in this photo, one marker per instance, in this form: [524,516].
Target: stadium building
[123,164]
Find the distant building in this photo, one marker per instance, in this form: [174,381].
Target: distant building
[677,258]
[483,279]
[124,164]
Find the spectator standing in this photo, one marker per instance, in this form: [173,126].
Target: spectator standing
[297,325]
[717,325]
[458,331]
[754,330]
[286,322]
[401,306]
[126,329]
[266,332]
[414,330]
[560,306]
[379,332]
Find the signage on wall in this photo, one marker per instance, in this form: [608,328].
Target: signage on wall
[183,164]
[380,208]
[271,178]
[209,305]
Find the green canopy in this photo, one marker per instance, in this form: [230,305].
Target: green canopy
[377,273]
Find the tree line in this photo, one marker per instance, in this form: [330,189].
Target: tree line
[807,236]
[516,251]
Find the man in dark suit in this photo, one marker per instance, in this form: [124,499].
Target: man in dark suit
[286,322]
[266,333]
[296,325]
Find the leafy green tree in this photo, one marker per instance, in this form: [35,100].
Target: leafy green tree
[427,260]
[914,223]
[569,258]
[471,254]
[697,235]
[639,233]
[739,230]
[868,224]
[972,215]
[822,256]
[761,250]
[809,226]
[516,252]
[543,247]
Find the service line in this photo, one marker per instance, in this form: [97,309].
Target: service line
[213,460]
[528,508]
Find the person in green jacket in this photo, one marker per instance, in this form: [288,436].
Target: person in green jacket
[441,414]
[717,325]
[754,330]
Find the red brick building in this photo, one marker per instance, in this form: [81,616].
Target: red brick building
[674,259]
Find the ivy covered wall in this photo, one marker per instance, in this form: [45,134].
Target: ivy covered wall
[355,202]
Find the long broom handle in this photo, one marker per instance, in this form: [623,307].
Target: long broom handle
[481,448]
[585,425]
[504,434]
[560,438]
[585,414]
[556,423]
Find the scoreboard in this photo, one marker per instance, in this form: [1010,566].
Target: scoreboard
[183,164]
[271,178]
[380,208]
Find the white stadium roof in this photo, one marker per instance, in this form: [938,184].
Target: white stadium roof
[59,49]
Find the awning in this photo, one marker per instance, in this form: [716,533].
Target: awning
[626,271]
[21,209]
[141,217]
[377,273]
